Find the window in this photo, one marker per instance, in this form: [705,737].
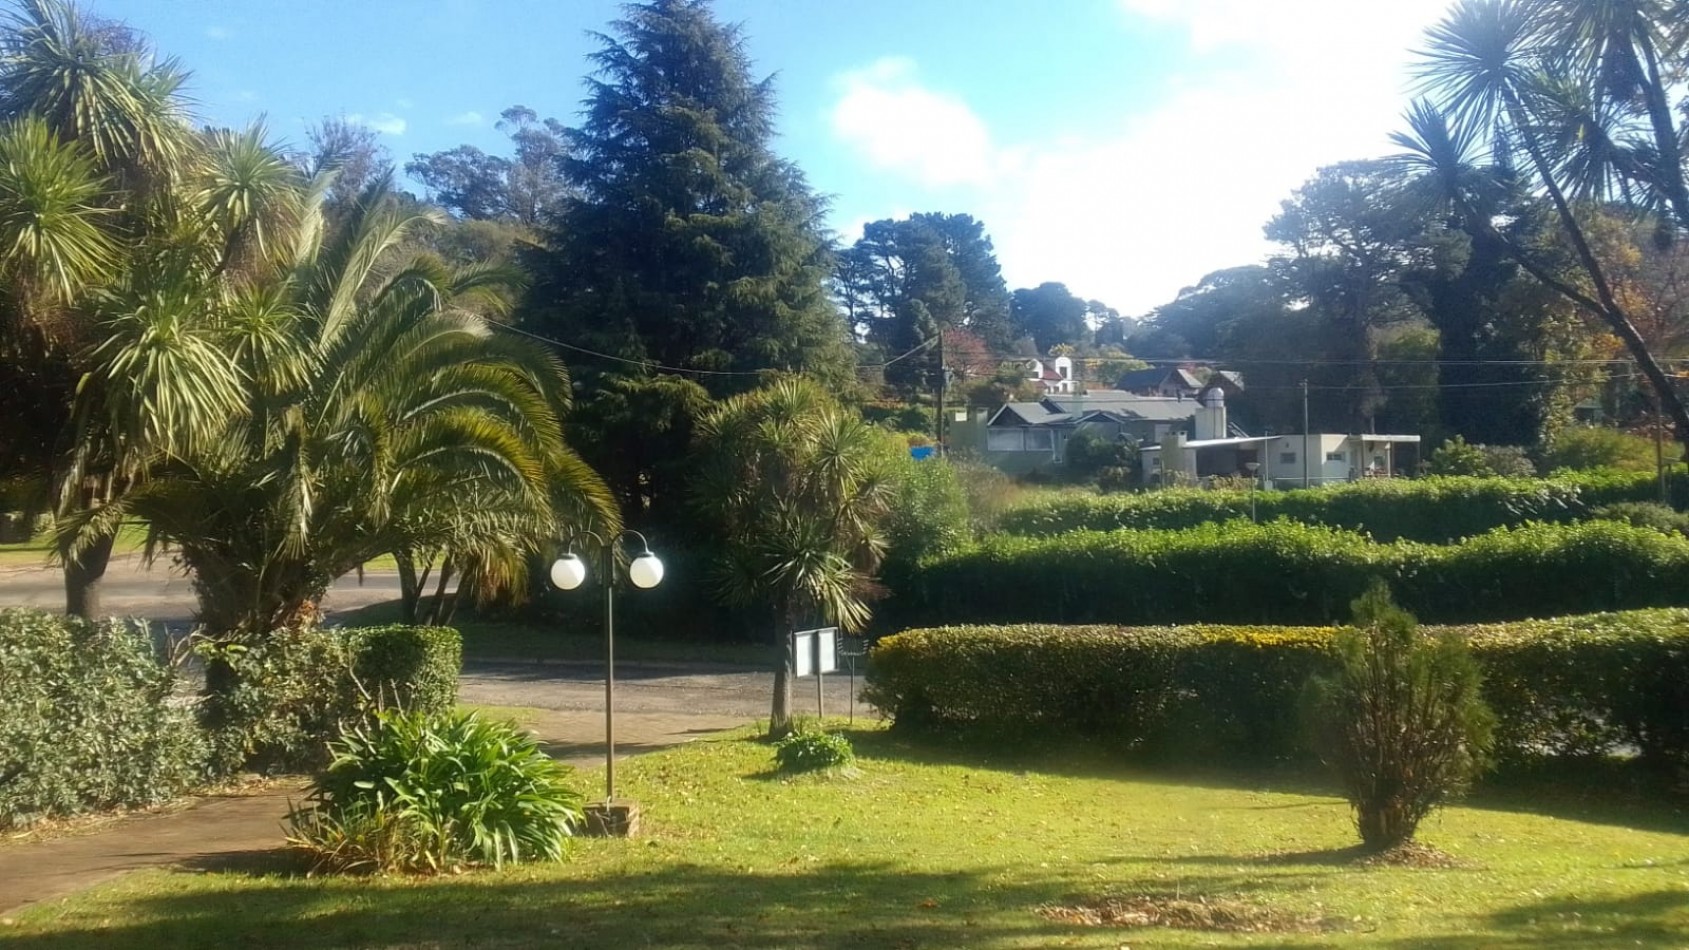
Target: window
[1336,457]
[1287,458]
[1040,440]
[1005,440]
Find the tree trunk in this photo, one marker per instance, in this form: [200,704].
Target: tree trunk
[410,586]
[83,575]
[780,714]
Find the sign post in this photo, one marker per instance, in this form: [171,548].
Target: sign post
[816,651]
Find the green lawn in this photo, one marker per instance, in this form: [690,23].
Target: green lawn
[36,551]
[927,848]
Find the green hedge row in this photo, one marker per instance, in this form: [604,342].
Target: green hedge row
[89,719]
[1433,510]
[286,696]
[1570,686]
[1289,573]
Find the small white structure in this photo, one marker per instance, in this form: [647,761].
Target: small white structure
[1281,461]
[1056,378]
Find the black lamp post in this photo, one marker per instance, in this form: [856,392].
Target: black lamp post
[645,571]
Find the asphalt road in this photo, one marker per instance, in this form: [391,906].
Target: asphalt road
[164,594]
[707,691]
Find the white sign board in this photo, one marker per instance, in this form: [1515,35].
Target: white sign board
[803,652]
[816,651]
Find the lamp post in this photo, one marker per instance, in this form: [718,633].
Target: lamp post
[1254,480]
[645,571]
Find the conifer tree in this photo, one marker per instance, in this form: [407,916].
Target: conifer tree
[687,241]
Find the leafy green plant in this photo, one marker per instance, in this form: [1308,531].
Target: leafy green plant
[1594,447]
[1438,510]
[1401,722]
[88,719]
[1645,514]
[430,792]
[1568,687]
[1458,457]
[1284,572]
[806,751]
[281,700]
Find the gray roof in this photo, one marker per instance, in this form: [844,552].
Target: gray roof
[1028,413]
[1156,376]
[1131,405]
[1060,409]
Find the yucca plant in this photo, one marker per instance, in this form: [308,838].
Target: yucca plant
[428,793]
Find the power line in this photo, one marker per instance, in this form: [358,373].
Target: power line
[659,367]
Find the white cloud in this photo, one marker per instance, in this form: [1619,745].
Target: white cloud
[406,102]
[1146,200]
[899,125]
[384,122]
[466,118]
[218,32]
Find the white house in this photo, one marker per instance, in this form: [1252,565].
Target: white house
[1279,461]
[1055,378]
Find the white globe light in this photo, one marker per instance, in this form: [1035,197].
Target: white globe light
[568,572]
[645,571]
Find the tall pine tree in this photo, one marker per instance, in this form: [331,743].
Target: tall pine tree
[687,241]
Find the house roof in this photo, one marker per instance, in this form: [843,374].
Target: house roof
[1156,376]
[1129,405]
[1063,408]
[1027,414]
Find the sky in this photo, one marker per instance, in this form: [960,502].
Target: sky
[1122,147]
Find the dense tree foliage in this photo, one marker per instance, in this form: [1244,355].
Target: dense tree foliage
[688,242]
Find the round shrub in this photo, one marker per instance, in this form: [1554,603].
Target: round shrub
[432,792]
[812,751]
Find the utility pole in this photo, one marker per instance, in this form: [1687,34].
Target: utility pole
[1306,470]
[943,379]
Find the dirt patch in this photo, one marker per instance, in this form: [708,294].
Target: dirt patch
[1221,914]
[1412,854]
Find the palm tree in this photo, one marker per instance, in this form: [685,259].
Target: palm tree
[377,413]
[798,489]
[1570,92]
[98,144]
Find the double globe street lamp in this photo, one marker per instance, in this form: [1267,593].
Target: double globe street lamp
[644,571]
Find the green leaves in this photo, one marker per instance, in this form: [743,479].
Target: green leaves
[434,792]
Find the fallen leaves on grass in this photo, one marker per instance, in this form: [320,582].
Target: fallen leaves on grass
[1412,854]
[1183,913]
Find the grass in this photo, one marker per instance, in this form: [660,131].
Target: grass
[930,847]
[37,551]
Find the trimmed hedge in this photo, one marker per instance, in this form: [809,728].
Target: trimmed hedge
[1290,573]
[1571,686]
[275,704]
[1433,510]
[88,719]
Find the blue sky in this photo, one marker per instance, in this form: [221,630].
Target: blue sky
[1124,147]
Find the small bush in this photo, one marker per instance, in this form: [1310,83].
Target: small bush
[929,512]
[1581,448]
[88,719]
[431,792]
[810,751]
[273,705]
[1401,721]
[1645,514]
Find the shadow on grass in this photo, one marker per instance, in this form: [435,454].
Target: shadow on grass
[838,905]
[1611,792]
[1648,919]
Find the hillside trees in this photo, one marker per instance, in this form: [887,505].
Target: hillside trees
[1575,99]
